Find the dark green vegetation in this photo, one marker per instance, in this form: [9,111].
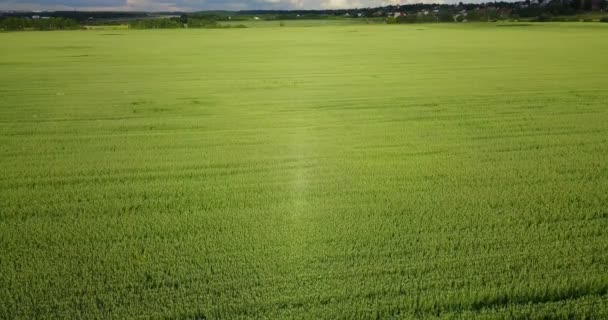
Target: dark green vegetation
[185,21]
[15,24]
[357,172]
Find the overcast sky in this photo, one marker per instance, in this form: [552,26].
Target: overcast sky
[193,5]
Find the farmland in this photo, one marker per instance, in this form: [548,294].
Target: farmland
[362,171]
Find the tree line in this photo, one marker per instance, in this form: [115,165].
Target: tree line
[185,21]
[52,23]
[17,24]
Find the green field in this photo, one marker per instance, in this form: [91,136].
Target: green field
[450,171]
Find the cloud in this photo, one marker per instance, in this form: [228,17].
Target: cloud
[193,5]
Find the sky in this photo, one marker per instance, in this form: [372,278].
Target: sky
[194,5]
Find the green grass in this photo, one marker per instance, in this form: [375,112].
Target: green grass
[107,27]
[452,171]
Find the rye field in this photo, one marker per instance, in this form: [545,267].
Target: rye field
[334,172]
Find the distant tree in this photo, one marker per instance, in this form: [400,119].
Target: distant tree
[492,15]
[428,18]
[14,24]
[11,24]
[445,16]
[157,24]
[473,15]
[544,17]
[201,23]
[410,18]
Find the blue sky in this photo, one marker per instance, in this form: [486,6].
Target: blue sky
[192,5]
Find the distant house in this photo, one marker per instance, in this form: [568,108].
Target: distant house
[347,14]
[256,18]
[36,17]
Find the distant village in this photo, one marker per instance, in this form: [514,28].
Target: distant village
[461,12]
